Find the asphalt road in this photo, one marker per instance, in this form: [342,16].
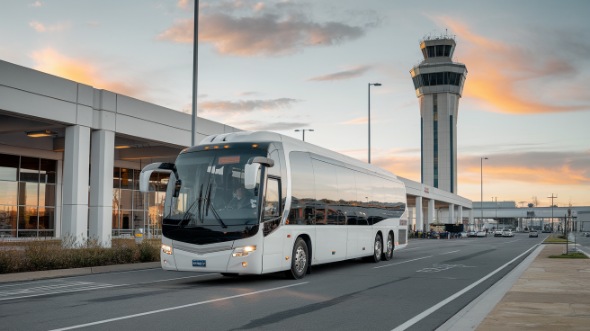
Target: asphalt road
[419,289]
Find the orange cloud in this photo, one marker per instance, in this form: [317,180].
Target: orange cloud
[509,79]
[51,61]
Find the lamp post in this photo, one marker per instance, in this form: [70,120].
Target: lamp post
[369,120]
[495,199]
[552,197]
[195,72]
[481,181]
[297,130]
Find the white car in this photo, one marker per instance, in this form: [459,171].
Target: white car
[507,233]
[481,234]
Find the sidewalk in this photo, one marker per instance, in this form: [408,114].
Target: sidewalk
[35,275]
[551,294]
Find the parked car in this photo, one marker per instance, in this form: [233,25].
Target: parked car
[507,233]
[498,233]
[482,234]
[534,234]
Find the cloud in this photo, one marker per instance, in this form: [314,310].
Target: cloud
[40,27]
[517,79]
[244,29]
[243,106]
[544,168]
[51,61]
[355,121]
[36,4]
[271,126]
[346,74]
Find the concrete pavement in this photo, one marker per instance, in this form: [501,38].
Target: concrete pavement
[541,293]
[551,294]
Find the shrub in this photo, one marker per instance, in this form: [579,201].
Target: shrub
[49,255]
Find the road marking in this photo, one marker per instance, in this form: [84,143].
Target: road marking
[71,287]
[398,263]
[176,308]
[50,289]
[436,307]
[451,252]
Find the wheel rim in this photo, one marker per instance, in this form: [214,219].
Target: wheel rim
[300,260]
[389,245]
[378,248]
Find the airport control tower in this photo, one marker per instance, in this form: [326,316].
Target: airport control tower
[439,83]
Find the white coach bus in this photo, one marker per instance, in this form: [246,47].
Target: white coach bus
[261,202]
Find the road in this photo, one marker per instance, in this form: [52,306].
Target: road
[419,289]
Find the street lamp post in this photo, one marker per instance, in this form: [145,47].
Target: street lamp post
[195,72]
[481,181]
[297,130]
[369,120]
[552,197]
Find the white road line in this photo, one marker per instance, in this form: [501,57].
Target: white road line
[392,264]
[436,307]
[88,288]
[451,252]
[175,308]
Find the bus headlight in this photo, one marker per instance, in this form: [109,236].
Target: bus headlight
[243,251]
[166,249]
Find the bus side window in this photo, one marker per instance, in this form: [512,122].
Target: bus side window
[271,202]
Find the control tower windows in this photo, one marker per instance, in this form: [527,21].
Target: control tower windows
[438,78]
[437,51]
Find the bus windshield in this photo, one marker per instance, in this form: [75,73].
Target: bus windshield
[208,202]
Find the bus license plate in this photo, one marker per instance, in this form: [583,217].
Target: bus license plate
[199,263]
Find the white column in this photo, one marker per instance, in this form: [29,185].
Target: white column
[430,216]
[460,214]
[452,213]
[75,185]
[102,158]
[419,214]
[471,219]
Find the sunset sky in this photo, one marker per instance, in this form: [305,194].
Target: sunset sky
[286,65]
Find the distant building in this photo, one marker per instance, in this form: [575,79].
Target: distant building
[439,83]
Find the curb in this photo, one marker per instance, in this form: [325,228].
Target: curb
[46,274]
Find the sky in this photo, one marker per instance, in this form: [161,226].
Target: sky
[287,65]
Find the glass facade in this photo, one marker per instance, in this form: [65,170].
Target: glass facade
[128,203]
[27,196]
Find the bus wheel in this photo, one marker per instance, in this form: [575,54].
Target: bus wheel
[299,260]
[388,252]
[377,248]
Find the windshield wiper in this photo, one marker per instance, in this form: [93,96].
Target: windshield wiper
[186,217]
[209,205]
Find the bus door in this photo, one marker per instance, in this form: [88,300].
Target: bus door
[275,245]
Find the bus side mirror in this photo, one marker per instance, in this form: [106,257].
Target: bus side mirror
[250,175]
[146,172]
[251,170]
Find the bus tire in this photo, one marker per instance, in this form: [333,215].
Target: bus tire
[299,260]
[388,251]
[377,248]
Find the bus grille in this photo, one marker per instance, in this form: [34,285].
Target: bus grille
[200,250]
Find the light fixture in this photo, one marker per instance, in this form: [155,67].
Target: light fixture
[122,146]
[41,133]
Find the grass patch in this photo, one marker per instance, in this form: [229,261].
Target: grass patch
[53,254]
[555,239]
[570,255]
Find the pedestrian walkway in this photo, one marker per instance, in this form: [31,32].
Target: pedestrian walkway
[551,294]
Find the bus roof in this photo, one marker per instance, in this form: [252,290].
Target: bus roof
[289,144]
